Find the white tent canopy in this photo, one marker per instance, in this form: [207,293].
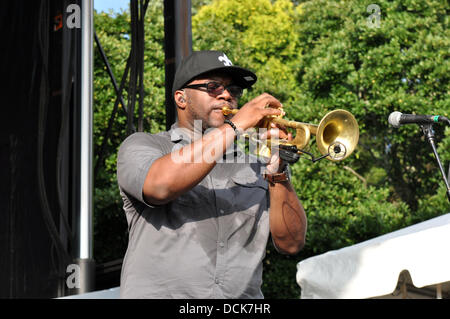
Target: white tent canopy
[418,255]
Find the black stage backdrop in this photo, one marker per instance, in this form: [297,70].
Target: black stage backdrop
[39,130]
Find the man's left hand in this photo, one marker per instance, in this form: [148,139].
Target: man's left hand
[275,133]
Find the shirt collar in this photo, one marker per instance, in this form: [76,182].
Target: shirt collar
[179,134]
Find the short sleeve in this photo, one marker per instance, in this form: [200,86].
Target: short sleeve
[136,154]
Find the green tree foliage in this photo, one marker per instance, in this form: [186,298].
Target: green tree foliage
[258,34]
[315,56]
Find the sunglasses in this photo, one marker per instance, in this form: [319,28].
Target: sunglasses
[216,88]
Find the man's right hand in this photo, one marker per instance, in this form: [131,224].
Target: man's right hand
[253,112]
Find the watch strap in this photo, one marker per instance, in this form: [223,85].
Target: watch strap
[278,177]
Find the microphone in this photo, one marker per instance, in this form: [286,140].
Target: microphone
[396,119]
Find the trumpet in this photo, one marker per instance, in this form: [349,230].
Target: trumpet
[337,135]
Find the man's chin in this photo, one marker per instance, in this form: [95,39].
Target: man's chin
[216,121]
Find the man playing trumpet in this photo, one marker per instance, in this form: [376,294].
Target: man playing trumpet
[198,226]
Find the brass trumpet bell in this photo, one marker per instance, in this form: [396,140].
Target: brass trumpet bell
[337,135]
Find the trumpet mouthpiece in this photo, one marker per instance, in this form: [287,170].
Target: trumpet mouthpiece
[227,111]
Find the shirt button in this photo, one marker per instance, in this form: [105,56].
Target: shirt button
[222,211]
[221,244]
[217,281]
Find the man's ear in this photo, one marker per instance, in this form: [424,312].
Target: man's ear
[180,98]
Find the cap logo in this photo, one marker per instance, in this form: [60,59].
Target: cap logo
[225,60]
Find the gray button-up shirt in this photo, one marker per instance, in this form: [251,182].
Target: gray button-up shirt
[208,242]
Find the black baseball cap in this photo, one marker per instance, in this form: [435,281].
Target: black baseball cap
[201,62]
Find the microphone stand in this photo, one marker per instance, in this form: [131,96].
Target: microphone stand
[428,131]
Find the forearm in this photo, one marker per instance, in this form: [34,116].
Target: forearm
[288,221]
[179,171]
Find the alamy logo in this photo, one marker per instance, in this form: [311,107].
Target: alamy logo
[73,280]
[373,21]
[73,18]
[225,60]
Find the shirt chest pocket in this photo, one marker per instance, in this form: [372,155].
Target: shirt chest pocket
[249,197]
[196,197]
[192,206]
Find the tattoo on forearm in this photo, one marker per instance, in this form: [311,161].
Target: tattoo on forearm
[291,219]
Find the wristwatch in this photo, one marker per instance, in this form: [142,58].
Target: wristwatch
[284,176]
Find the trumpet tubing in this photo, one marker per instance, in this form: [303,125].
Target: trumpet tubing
[337,134]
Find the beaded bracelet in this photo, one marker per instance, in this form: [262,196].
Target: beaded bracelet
[236,130]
